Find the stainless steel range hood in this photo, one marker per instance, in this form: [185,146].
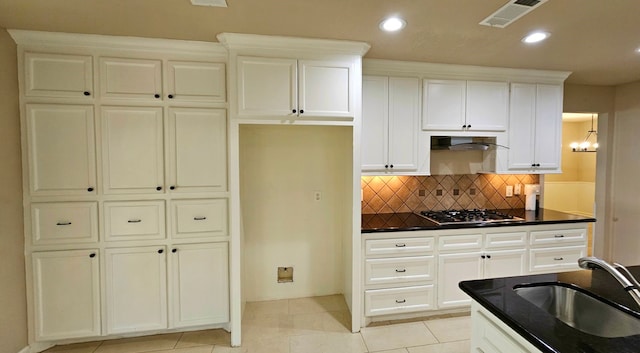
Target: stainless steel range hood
[453,143]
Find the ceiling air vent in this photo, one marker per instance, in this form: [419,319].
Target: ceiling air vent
[215,3]
[510,12]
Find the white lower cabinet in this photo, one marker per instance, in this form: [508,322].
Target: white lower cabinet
[490,335]
[136,289]
[398,300]
[200,284]
[453,268]
[66,288]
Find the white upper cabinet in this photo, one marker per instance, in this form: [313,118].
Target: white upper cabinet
[196,81]
[57,75]
[536,127]
[390,123]
[132,149]
[130,78]
[294,89]
[61,149]
[197,150]
[454,105]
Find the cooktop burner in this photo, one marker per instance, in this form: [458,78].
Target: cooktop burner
[467,216]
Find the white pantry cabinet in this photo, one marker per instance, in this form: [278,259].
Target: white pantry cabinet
[390,123]
[200,284]
[61,149]
[295,89]
[196,81]
[136,289]
[66,286]
[197,150]
[58,75]
[456,105]
[535,136]
[130,78]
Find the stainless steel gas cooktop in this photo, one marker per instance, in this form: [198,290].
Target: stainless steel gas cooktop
[468,216]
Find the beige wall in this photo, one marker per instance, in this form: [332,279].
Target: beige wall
[575,166]
[13,320]
[280,169]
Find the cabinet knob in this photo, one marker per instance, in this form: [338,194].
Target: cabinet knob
[170,96]
[483,256]
[159,188]
[172,187]
[92,255]
[391,166]
[301,111]
[294,111]
[464,126]
[386,166]
[160,251]
[537,165]
[488,256]
[156,96]
[89,189]
[469,126]
[174,250]
[87,93]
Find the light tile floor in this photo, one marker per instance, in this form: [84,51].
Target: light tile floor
[305,325]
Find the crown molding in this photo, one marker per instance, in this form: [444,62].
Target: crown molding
[460,72]
[57,39]
[254,42]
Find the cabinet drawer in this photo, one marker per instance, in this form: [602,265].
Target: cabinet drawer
[64,222]
[553,259]
[460,242]
[506,240]
[399,246]
[398,300]
[395,270]
[561,236]
[199,218]
[134,220]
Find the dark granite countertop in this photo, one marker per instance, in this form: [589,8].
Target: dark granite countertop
[542,329]
[396,222]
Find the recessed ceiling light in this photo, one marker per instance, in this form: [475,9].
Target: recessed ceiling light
[392,24]
[535,37]
[638,50]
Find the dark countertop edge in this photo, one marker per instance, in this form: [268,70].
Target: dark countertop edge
[543,216]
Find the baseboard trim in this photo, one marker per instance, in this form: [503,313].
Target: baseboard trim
[26,349]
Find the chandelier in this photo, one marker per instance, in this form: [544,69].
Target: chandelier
[590,143]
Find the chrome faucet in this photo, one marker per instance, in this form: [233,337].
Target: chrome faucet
[627,280]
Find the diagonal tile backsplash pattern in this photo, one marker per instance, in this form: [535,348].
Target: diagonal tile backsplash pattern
[389,194]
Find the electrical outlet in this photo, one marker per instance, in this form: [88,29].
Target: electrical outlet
[317,195]
[517,190]
[509,192]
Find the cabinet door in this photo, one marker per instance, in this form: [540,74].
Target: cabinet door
[522,122]
[325,89]
[61,149]
[132,149]
[196,81]
[548,126]
[404,121]
[375,122]
[444,105]
[130,78]
[66,288]
[505,263]
[57,75]
[453,268]
[136,298]
[487,106]
[200,284]
[267,87]
[197,150]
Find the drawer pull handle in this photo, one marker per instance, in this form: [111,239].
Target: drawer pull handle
[134,221]
[63,223]
[199,218]
[401,301]
[401,271]
[559,235]
[400,245]
[558,258]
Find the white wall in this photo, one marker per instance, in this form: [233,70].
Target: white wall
[281,167]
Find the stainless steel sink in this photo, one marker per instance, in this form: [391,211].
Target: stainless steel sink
[580,310]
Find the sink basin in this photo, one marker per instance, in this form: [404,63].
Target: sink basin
[580,310]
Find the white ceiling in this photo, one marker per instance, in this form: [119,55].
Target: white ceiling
[595,39]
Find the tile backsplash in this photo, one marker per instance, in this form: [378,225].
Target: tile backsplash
[388,194]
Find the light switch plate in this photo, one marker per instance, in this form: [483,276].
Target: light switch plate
[517,190]
[509,192]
